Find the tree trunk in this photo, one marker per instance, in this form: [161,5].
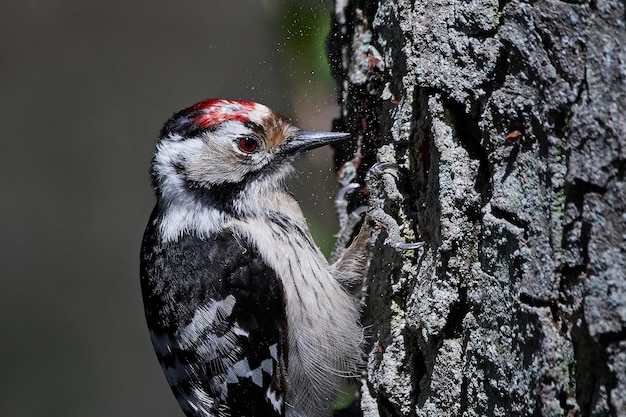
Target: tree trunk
[508,122]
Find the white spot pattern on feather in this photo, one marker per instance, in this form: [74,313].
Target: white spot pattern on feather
[275,399]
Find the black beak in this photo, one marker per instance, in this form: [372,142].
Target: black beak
[305,141]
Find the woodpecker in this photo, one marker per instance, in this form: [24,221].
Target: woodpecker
[246,316]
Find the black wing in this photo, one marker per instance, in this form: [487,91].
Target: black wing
[216,314]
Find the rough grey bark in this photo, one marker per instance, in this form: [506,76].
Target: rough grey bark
[508,120]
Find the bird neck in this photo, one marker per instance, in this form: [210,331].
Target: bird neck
[207,210]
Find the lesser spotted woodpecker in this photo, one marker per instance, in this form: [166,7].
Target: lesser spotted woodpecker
[246,316]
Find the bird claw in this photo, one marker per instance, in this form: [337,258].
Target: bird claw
[382,173]
[409,246]
[380,167]
[345,190]
[359,211]
[394,237]
[348,220]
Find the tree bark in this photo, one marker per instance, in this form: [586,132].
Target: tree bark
[508,122]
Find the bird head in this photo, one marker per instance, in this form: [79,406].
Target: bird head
[220,144]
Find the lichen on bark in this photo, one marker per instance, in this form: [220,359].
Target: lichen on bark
[508,120]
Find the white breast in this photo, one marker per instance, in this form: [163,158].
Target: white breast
[324,334]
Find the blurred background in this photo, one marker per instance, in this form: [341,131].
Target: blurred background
[84,89]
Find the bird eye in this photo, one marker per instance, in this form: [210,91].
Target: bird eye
[248,144]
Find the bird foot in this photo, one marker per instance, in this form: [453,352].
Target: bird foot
[385,174]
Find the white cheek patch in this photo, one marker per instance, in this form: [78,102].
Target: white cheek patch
[211,159]
[216,162]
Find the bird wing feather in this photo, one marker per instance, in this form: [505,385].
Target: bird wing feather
[225,358]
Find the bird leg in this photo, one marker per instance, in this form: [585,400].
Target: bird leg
[352,261]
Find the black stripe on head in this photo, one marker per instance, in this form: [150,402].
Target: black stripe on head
[255,127]
[184,125]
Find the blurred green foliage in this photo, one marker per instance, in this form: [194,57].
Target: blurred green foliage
[304,27]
